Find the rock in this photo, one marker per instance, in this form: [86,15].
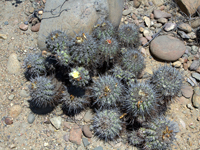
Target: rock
[98,148]
[36,27]
[31,118]
[15,111]
[143,40]
[137,3]
[194,66]
[88,116]
[80,116]
[24,93]
[26,22]
[146,32]
[192,35]
[157,25]
[13,65]
[11,97]
[3,36]
[66,137]
[56,122]
[189,106]
[147,21]
[75,135]
[162,20]
[8,120]
[196,97]
[194,49]
[195,23]
[182,123]
[67,125]
[169,26]
[83,15]
[198,9]
[189,7]
[6,23]
[185,27]
[85,142]
[161,14]
[126,12]
[187,91]
[23,27]
[183,35]
[196,75]
[167,48]
[158,2]
[31,10]
[176,64]
[86,131]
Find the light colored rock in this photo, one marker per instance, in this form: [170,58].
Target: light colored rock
[15,111]
[13,65]
[196,97]
[167,48]
[31,118]
[195,23]
[183,35]
[169,26]
[86,131]
[126,12]
[162,20]
[158,2]
[147,21]
[3,36]
[192,35]
[88,116]
[80,16]
[24,93]
[196,75]
[185,27]
[176,64]
[56,122]
[161,14]
[187,91]
[23,27]
[146,32]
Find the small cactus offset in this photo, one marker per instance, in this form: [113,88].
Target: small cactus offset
[79,76]
[158,134]
[107,125]
[134,139]
[63,57]
[133,61]
[129,35]
[103,29]
[167,81]
[35,64]
[107,91]
[140,100]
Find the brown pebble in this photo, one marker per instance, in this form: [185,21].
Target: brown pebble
[152,16]
[198,70]
[23,27]
[75,135]
[143,40]
[134,17]
[36,27]
[198,118]
[86,131]
[15,111]
[162,7]
[8,120]
[185,66]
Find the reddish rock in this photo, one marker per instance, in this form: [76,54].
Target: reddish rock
[36,27]
[143,40]
[167,48]
[23,27]
[75,135]
[161,14]
[86,131]
[8,120]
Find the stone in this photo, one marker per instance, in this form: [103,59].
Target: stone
[88,116]
[66,137]
[189,7]
[98,148]
[3,36]
[143,40]
[176,64]
[75,135]
[161,14]
[158,2]
[24,93]
[137,3]
[8,120]
[13,65]
[196,75]
[189,106]
[126,12]
[192,35]
[80,16]
[86,131]
[146,32]
[56,122]
[23,27]
[36,27]
[147,21]
[31,118]
[31,10]
[85,142]
[195,23]
[169,26]
[187,91]
[196,97]
[6,23]
[157,25]
[162,20]
[185,27]
[194,66]
[183,35]
[167,48]
[198,10]
[15,111]
[11,97]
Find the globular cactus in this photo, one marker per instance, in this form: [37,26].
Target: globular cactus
[107,91]
[57,40]
[73,100]
[44,91]
[84,50]
[128,35]
[35,64]
[79,76]
[140,100]
[63,57]
[108,48]
[107,124]
[167,81]
[103,29]
[134,139]
[133,61]
[158,134]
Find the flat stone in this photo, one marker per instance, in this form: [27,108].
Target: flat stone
[56,122]
[161,14]
[189,106]
[167,48]
[3,36]
[31,118]
[143,40]
[11,97]
[147,21]
[126,12]
[13,65]
[185,27]
[192,35]
[183,35]
[187,91]
[23,27]
[196,98]
[75,135]
[162,20]
[194,66]
[15,111]
[196,75]
[86,131]
[66,137]
[158,2]
[36,27]
[169,26]
[85,142]
[24,93]
[195,23]
[98,148]
[88,116]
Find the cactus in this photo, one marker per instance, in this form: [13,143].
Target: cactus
[79,76]
[167,81]
[134,139]
[107,91]
[129,35]
[63,57]
[158,134]
[34,64]
[107,124]
[103,29]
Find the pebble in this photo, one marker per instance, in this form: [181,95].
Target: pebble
[146,32]
[158,2]
[75,135]
[85,142]
[13,65]
[40,12]
[192,81]
[162,20]
[13,146]
[46,144]
[6,23]
[137,3]
[31,10]
[167,48]
[11,97]
[192,35]
[195,23]
[15,111]
[189,106]
[176,64]
[195,48]
[196,97]
[23,27]
[152,16]
[157,25]
[31,118]
[3,36]
[183,35]
[196,75]
[98,148]
[24,93]
[86,131]
[126,12]
[36,27]
[88,116]
[56,122]
[8,120]
[67,125]
[143,40]
[161,14]
[169,26]
[147,21]
[187,91]
[26,22]
[66,137]
[185,27]
[80,116]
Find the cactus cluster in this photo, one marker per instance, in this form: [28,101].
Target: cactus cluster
[103,71]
